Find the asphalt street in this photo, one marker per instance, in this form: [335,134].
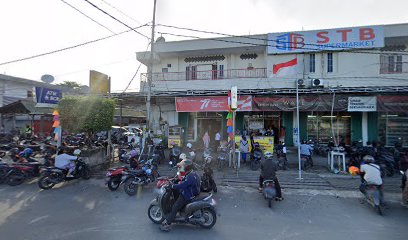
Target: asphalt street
[88,210]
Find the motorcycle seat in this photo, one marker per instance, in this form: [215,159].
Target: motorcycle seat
[136,171]
[201,197]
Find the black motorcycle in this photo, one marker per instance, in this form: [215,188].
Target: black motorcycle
[139,177]
[385,159]
[256,158]
[281,156]
[201,211]
[222,157]
[207,181]
[174,155]
[53,175]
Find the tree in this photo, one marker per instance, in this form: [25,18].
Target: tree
[86,114]
[71,87]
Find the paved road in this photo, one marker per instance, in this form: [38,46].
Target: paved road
[87,210]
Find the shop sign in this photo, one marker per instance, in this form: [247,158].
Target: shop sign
[266,143]
[362,104]
[329,39]
[211,104]
[306,103]
[47,97]
[392,103]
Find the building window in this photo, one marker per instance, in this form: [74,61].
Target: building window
[393,128]
[165,70]
[30,94]
[312,63]
[329,62]
[390,64]
[221,71]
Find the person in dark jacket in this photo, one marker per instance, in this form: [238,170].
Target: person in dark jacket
[189,188]
[268,171]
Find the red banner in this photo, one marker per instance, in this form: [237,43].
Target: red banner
[211,104]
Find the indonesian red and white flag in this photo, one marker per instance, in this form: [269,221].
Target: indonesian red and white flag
[285,68]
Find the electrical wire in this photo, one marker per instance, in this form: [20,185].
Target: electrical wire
[269,40]
[114,18]
[93,20]
[68,48]
[137,70]
[124,14]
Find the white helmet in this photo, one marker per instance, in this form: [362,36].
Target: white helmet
[189,145]
[268,155]
[183,156]
[77,152]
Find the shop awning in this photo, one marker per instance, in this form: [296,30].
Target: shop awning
[25,107]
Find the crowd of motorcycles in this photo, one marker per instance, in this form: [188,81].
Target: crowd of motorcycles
[32,158]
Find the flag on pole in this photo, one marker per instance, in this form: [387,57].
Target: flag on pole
[285,68]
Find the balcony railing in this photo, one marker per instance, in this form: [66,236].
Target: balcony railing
[207,75]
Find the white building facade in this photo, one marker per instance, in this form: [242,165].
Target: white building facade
[355,83]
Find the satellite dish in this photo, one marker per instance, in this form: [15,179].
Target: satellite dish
[47,78]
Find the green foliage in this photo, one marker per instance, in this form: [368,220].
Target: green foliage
[86,114]
[70,84]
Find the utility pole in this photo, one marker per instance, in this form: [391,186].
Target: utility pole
[150,72]
[298,82]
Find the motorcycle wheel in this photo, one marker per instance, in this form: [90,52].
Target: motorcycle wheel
[15,179]
[113,184]
[270,203]
[129,187]
[210,218]
[3,173]
[155,214]
[44,183]
[85,173]
[254,165]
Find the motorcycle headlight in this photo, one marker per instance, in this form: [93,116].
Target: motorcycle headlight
[213,202]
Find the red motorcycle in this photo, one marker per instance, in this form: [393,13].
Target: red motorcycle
[114,177]
[19,172]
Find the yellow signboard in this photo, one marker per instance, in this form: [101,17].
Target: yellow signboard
[99,83]
[266,143]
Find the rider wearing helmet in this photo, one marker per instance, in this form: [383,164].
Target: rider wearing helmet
[190,151]
[268,171]
[189,188]
[65,161]
[370,175]
[133,161]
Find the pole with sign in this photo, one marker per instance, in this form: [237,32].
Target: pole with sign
[234,106]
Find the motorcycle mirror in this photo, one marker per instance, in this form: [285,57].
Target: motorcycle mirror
[402,172]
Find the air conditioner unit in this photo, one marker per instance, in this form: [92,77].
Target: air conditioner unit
[317,82]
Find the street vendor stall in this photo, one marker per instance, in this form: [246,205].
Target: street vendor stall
[175,136]
[265,142]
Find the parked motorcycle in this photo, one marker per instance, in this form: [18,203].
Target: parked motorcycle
[281,156]
[207,180]
[256,157]
[201,211]
[19,172]
[385,159]
[222,158]
[114,177]
[51,176]
[269,191]
[139,177]
[174,155]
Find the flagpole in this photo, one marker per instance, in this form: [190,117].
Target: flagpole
[298,129]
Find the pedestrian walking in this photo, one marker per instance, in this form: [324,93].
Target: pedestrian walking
[217,139]
[206,140]
[244,148]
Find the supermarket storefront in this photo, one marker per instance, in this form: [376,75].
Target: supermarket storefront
[323,118]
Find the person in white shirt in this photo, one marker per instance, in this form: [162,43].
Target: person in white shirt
[370,175]
[244,148]
[65,161]
[217,139]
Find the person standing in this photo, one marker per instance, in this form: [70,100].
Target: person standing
[217,139]
[244,148]
[206,140]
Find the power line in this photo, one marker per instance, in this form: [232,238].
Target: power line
[70,47]
[106,13]
[93,20]
[137,70]
[124,14]
[268,40]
